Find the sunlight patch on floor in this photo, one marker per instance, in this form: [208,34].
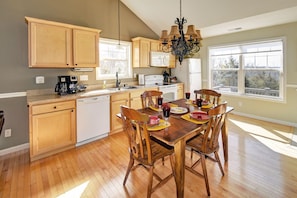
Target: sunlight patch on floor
[276,140]
[75,192]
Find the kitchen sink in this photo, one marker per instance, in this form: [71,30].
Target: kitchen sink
[129,87]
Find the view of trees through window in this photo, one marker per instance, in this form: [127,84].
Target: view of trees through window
[114,58]
[248,69]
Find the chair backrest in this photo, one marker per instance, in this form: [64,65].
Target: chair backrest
[148,98]
[135,126]
[1,120]
[208,95]
[217,116]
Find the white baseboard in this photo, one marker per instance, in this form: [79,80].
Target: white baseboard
[265,119]
[14,149]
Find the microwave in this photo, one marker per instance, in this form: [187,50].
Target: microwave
[159,59]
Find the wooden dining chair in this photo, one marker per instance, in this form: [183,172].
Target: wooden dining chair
[209,95]
[148,98]
[142,148]
[1,120]
[207,143]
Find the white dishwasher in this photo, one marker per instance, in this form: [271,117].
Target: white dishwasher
[93,118]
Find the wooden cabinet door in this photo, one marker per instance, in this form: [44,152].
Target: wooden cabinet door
[144,53]
[116,101]
[85,48]
[49,45]
[155,46]
[172,61]
[180,91]
[52,131]
[135,100]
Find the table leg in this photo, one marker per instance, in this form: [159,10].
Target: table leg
[179,168]
[225,139]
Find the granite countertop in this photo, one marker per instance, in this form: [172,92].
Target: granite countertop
[35,97]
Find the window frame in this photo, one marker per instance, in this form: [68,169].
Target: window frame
[241,71]
[111,76]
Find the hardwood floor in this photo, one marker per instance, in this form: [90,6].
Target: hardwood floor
[262,163]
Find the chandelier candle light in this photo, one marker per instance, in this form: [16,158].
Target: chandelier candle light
[178,43]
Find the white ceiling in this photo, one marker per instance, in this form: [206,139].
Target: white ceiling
[214,17]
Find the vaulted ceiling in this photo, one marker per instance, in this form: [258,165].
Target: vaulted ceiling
[214,17]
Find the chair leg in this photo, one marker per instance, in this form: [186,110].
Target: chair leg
[205,174]
[130,165]
[192,150]
[150,183]
[219,162]
[172,163]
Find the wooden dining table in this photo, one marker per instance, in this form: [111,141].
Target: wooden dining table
[176,135]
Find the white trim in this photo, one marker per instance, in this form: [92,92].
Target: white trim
[13,95]
[291,85]
[265,119]
[14,149]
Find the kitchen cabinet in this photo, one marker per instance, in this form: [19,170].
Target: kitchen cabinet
[141,48]
[180,91]
[52,128]
[135,100]
[59,45]
[116,100]
[155,45]
[172,61]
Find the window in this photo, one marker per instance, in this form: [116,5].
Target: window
[114,58]
[252,69]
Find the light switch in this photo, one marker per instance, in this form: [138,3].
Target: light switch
[39,79]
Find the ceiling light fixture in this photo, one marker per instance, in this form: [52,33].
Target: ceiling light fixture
[178,43]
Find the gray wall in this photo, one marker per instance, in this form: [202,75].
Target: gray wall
[15,74]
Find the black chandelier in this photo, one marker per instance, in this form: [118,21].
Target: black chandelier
[178,43]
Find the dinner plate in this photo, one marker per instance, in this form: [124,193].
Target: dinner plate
[199,115]
[178,110]
[160,126]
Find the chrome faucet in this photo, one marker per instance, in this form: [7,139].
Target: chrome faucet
[118,82]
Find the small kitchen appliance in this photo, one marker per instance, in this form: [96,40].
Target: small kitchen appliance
[140,79]
[66,85]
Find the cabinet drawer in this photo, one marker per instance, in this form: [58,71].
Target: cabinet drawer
[120,96]
[51,107]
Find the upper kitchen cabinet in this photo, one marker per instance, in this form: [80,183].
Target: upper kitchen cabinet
[59,45]
[141,48]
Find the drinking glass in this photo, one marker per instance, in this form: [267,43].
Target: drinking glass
[199,103]
[188,94]
[160,102]
[166,113]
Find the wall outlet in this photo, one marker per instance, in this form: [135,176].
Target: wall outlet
[39,79]
[83,77]
[7,132]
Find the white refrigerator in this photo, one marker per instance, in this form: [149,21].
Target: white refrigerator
[189,72]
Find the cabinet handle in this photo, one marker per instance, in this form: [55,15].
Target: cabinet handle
[55,107]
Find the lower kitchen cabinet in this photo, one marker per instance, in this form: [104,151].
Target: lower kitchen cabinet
[180,91]
[116,100]
[135,100]
[52,128]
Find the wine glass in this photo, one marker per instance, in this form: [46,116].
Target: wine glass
[160,102]
[199,103]
[188,94]
[166,113]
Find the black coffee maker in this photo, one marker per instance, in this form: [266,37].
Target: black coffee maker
[66,85]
